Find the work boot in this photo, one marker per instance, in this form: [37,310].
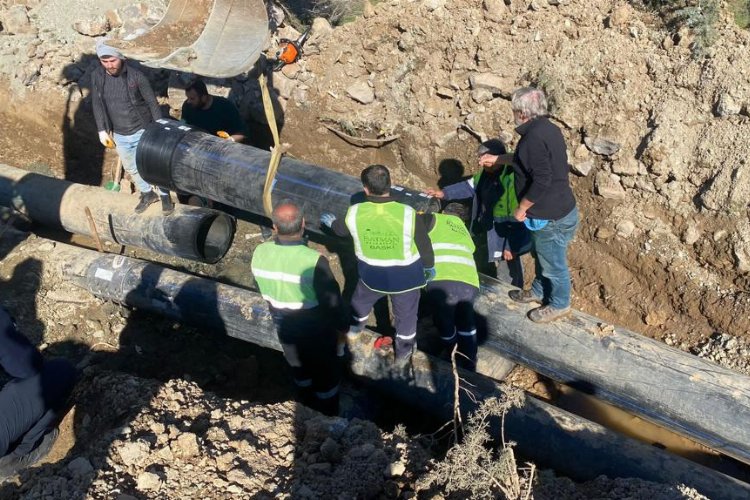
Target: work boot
[167,207]
[524,296]
[547,314]
[146,200]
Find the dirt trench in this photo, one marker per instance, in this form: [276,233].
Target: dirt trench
[646,277]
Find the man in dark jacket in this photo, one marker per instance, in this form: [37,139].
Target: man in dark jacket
[32,402]
[498,235]
[124,104]
[546,203]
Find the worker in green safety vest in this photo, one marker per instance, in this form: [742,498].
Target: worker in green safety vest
[394,257]
[456,284]
[306,307]
[497,232]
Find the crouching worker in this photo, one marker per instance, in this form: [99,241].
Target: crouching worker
[456,284]
[32,402]
[306,306]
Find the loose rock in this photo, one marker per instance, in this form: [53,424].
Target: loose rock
[608,186]
[16,21]
[95,26]
[149,481]
[602,146]
[361,92]
[80,466]
[185,446]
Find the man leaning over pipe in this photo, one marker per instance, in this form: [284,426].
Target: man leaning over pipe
[394,254]
[32,402]
[456,284]
[306,306]
[501,238]
[124,103]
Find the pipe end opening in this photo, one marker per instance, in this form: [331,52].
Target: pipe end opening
[215,237]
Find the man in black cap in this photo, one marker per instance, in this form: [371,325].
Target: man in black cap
[32,402]
[494,201]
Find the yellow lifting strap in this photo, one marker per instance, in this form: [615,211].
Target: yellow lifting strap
[277,152]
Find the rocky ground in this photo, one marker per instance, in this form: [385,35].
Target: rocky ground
[655,140]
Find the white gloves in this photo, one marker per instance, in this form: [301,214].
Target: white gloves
[106,139]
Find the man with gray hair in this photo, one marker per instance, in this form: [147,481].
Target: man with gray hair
[124,103]
[306,307]
[546,203]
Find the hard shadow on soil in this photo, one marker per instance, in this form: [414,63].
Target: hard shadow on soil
[155,350]
[23,283]
[149,348]
[83,154]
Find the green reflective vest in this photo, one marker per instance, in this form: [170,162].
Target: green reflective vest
[383,233]
[454,251]
[508,202]
[284,274]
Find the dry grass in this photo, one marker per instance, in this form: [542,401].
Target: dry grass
[473,468]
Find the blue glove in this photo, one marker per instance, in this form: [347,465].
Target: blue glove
[429,274]
[327,219]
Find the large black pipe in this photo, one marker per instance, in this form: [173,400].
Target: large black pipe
[672,388]
[180,158]
[189,232]
[551,437]
[669,387]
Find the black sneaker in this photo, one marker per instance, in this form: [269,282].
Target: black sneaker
[146,200]
[167,207]
[524,296]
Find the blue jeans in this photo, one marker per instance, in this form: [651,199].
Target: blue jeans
[550,251]
[126,146]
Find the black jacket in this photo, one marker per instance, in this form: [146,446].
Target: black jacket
[540,163]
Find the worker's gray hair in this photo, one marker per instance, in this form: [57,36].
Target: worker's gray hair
[287,226]
[529,101]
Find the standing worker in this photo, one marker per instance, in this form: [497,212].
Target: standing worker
[500,236]
[32,402]
[456,284]
[124,103]
[546,203]
[394,256]
[214,114]
[306,306]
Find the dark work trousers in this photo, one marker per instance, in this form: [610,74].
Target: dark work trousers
[511,271]
[453,311]
[405,308]
[18,357]
[31,407]
[32,401]
[309,342]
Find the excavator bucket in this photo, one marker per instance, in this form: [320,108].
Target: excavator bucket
[213,38]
